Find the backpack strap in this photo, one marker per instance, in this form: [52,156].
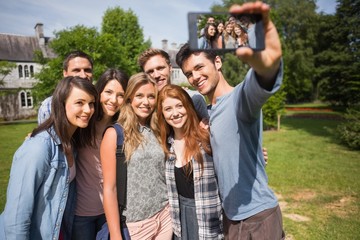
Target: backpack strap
[223,40]
[121,168]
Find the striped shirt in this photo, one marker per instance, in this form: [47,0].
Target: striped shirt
[207,200]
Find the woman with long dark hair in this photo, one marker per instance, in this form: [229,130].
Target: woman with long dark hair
[40,196]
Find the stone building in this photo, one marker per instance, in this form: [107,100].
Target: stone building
[177,76]
[16,101]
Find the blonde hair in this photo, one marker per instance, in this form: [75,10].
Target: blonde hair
[129,120]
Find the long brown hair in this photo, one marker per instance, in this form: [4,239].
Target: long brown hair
[58,120]
[195,136]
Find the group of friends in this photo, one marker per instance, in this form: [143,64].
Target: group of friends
[231,34]
[193,171]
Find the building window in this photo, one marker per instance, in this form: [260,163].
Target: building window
[175,74]
[26,71]
[26,99]
[32,71]
[20,69]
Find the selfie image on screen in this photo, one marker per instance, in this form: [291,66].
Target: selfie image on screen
[224,31]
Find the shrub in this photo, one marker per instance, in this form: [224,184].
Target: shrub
[349,130]
[274,106]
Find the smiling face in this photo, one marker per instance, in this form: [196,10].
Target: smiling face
[80,67]
[143,102]
[220,27]
[174,113]
[229,28]
[211,31]
[202,73]
[237,31]
[79,106]
[111,98]
[159,70]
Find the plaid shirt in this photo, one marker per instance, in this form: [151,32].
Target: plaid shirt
[207,200]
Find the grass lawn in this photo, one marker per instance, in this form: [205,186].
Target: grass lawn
[11,137]
[316,179]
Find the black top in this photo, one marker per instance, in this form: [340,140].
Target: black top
[184,184]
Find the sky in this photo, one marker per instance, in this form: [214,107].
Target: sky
[159,19]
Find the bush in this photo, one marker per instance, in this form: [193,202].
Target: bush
[274,106]
[349,130]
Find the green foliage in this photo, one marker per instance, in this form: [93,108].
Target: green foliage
[296,23]
[274,106]
[124,26]
[349,130]
[338,54]
[5,69]
[117,46]
[49,76]
[233,69]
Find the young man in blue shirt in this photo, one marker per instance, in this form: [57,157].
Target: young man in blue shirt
[251,209]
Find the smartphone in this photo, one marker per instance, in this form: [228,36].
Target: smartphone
[239,30]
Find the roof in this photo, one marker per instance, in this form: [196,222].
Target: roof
[21,48]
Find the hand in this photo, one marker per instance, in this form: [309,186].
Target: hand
[28,136]
[266,63]
[204,123]
[265,153]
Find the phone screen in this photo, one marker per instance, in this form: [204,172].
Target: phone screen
[225,31]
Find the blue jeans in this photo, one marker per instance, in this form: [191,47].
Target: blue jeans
[86,228]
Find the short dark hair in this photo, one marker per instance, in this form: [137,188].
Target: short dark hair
[185,52]
[151,52]
[75,54]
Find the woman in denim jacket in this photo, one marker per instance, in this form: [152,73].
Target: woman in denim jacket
[194,200]
[41,194]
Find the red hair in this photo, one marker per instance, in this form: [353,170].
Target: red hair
[195,136]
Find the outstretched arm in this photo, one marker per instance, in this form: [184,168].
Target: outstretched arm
[108,164]
[265,63]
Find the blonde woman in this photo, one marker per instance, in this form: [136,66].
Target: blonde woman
[227,39]
[147,211]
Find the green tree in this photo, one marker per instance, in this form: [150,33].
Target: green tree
[233,69]
[338,56]
[124,26]
[296,22]
[5,69]
[118,46]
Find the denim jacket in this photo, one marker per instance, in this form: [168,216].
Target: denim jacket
[39,191]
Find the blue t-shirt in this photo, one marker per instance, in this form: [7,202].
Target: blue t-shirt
[236,137]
